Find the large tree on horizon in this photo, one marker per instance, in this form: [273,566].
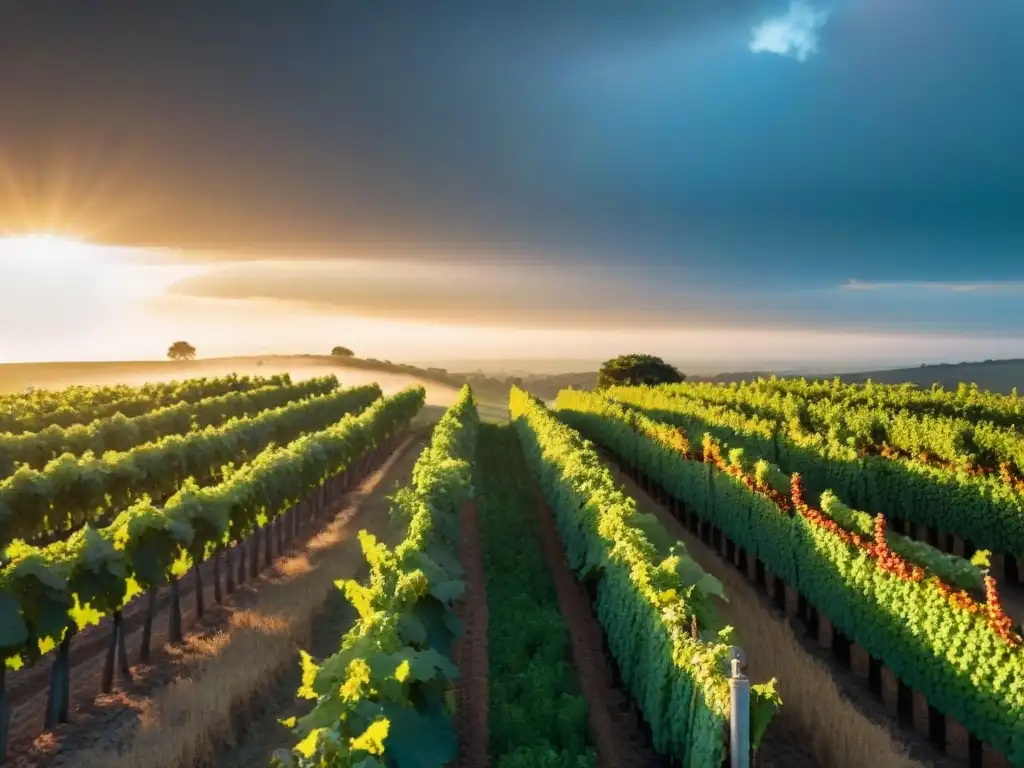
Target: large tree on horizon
[181,350]
[635,370]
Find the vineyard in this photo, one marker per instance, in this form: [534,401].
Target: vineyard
[257,571]
[883,519]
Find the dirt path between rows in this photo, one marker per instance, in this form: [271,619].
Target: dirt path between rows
[614,723]
[100,720]
[819,724]
[257,740]
[470,648]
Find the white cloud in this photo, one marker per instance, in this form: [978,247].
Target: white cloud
[793,34]
[1009,286]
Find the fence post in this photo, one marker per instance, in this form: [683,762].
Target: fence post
[739,716]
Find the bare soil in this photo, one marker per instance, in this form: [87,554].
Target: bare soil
[614,721]
[262,734]
[470,649]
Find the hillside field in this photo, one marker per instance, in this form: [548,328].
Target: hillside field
[16,377]
[288,561]
[1000,376]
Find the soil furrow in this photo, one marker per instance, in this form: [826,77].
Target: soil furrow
[614,721]
[470,648]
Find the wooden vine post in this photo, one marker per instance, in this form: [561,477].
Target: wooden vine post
[117,656]
[147,625]
[229,569]
[200,599]
[241,561]
[58,700]
[175,634]
[254,554]
[218,596]
[5,713]
[268,539]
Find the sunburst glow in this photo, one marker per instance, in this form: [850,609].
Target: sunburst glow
[58,264]
[43,251]
[64,270]
[58,291]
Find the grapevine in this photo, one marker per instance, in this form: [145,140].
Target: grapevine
[901,610]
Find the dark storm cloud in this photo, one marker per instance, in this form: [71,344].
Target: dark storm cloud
[650,136]
[232,123]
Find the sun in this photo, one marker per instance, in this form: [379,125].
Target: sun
[74,274]
[44,251]
[62,298]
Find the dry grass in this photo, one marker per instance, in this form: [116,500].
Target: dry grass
[836,732]
[187,721]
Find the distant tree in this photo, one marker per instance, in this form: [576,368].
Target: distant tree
[342,352]
[634,370]
[181,350]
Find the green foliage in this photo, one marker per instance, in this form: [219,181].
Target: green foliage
[121,433]
[535,704]
[382,699]
[960,573]
[71,491]
[93,573]
[632,370]
[765,701]
[679,682]
[909,454]
[949,653]
[967,401]
[342,352]
[40,409]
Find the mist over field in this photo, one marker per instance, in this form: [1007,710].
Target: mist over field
[57,376]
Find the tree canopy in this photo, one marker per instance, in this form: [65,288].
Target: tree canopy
[181,350]
[634,370]
[342,352]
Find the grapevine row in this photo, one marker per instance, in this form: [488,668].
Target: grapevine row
[120,433]
[968,401]
[981,509]
[86,394]
[78,405]
[961,653]
[678,680]
[49,594]
[382,698]
[71,491]
[878,428]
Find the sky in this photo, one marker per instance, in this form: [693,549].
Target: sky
[759,182]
